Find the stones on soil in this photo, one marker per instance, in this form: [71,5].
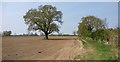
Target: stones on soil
[40,52]
[8,55]
[16,54]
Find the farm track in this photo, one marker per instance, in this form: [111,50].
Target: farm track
[36,48]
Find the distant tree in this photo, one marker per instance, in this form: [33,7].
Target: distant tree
[45,18]
[52,34]
[23,34]
[7,33]
[74,33]
[66,35]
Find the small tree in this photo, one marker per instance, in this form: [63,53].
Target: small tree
[45,18]
[7,33]
[93,27]
[88,25]
[74,33]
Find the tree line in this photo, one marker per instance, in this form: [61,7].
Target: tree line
[9,33]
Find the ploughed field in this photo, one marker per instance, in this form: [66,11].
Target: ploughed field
[36,48]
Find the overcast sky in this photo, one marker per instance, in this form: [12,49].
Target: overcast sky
[12,14]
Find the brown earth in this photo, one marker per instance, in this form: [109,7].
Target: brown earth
[36,48]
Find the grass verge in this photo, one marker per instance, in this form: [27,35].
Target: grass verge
[100,51]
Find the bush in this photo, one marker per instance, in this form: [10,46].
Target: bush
[7,33]
[101,34]
[83,31]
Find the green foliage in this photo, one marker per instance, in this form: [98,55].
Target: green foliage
[114,34]
[93,27]
[7,33]
[83,30]
[101,34]
[88,25]
[45,18]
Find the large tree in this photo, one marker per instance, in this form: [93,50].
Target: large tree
[45,18]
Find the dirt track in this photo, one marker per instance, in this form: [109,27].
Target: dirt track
[35,48]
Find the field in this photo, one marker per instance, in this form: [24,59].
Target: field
[36,48]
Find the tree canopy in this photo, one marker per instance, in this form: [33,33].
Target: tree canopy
[45,18]
[89,24]
[93,27]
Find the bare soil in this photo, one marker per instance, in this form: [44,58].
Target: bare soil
[36,48]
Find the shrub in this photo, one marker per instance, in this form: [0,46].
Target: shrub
[7,33]
[101,34]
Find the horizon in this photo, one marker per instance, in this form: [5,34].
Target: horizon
[72,14]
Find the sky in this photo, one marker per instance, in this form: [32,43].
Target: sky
[13,12]
[59,0]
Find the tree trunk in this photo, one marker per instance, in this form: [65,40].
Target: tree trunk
[46,35]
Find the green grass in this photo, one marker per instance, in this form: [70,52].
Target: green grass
[100,51]
[100,46]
